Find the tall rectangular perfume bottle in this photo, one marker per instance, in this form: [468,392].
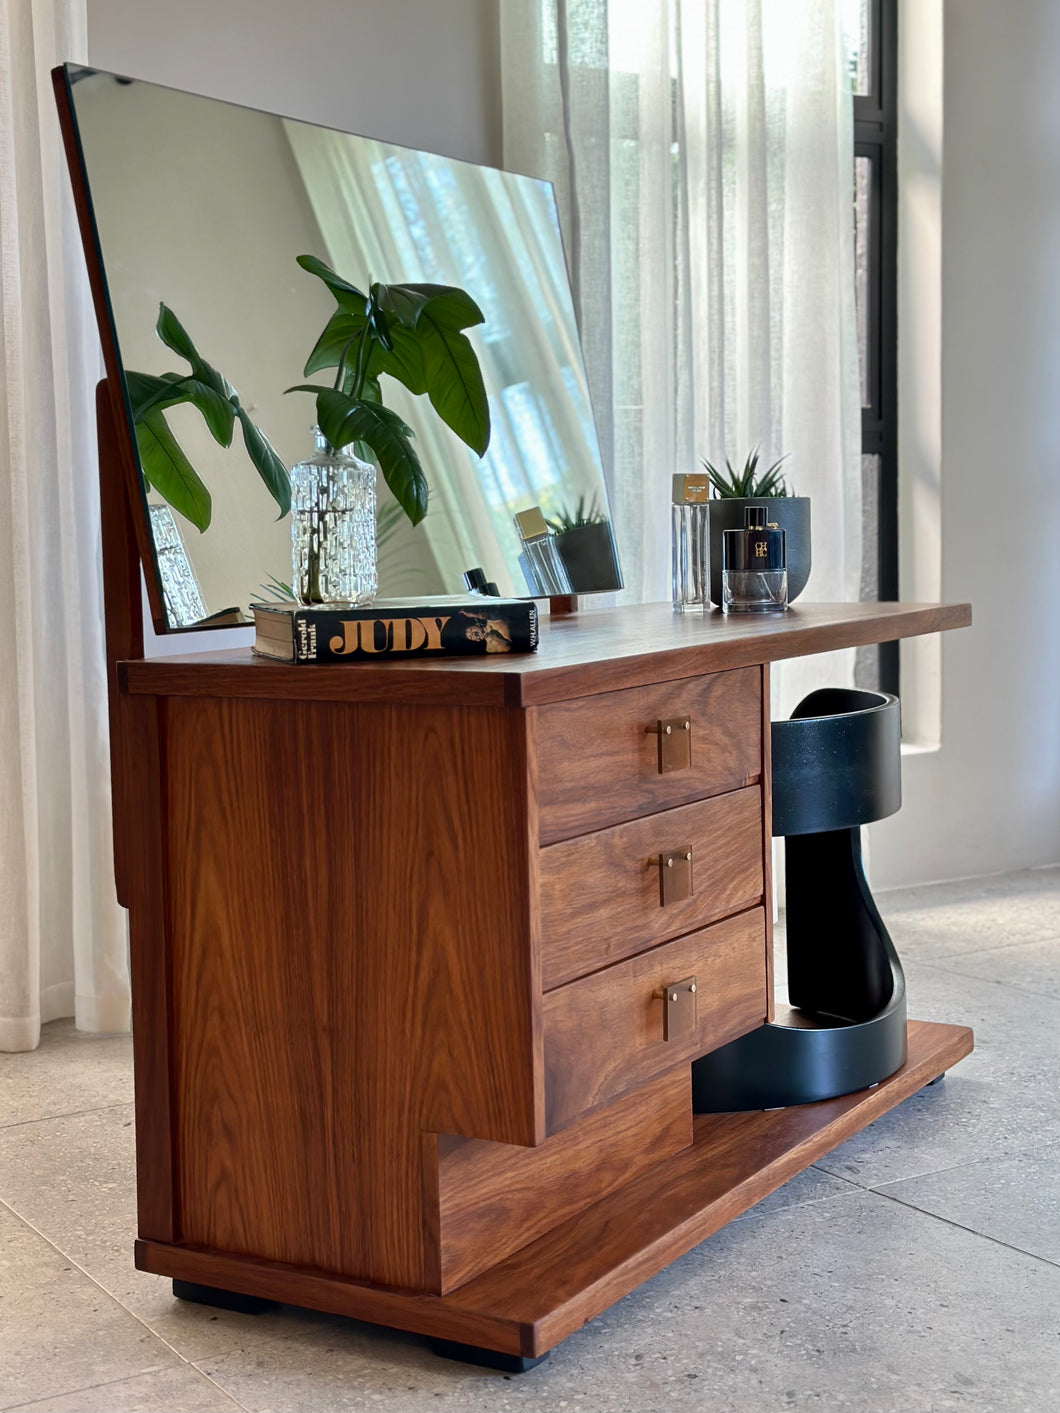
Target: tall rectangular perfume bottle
[754,571]
[542,565]
[690,543]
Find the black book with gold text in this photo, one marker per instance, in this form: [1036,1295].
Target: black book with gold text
[464,625]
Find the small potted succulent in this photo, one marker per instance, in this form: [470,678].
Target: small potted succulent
[586,545]
[732,491]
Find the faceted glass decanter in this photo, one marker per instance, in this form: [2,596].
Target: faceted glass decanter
[333,555]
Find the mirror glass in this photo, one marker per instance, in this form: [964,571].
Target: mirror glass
[204,207]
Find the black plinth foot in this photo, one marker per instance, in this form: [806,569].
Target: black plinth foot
[937,1080]
[484,1358]
[222,1299]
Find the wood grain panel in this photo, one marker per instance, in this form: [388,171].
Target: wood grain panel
[529,1302]
[581,654]
[353,951]
[600,894]
[598,763]
[604,1033]
[143,804]
[495,1198]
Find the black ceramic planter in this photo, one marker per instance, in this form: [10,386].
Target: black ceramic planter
[590,558]
[791,513]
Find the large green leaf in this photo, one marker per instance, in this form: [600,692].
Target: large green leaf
[404,361]
[349,296]
[340,333]
[344,420]
[454,380]
[173,334]
[218,412]
[406,303]
[170,472]
[269,466]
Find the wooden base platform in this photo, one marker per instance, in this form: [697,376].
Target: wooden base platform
[531,1301]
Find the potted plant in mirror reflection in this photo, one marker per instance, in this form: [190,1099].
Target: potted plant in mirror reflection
[586,546]
[732,491]
[165,465]
[413,333]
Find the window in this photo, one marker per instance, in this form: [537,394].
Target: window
[874,67]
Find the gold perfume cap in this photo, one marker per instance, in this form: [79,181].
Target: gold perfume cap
[691,490]
[531,523]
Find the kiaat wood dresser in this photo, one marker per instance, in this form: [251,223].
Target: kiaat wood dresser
[422,953]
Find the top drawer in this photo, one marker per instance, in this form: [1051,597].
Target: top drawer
[598,757]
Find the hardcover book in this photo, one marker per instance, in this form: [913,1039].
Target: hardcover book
[463,625]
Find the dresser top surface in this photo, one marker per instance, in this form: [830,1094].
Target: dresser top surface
[591,651]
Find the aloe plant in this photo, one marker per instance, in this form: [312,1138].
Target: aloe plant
[573,519]
[415,334]
[747,483]
[162,459]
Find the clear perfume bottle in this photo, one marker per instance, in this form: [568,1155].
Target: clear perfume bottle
[754,573]
[545,572]
[690,543]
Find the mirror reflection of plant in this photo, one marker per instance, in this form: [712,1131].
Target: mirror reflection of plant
[164,463]
[414,333]
[747,483]
[567,519]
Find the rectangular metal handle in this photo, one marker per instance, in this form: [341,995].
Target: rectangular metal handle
[675,743]
[675,875]
[679,1007]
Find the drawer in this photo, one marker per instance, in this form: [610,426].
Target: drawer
[600,895]
[605,1034]
[598,757]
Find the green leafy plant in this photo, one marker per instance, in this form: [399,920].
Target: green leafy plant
[164,462]
[568,519]
[747,483]
[414,333]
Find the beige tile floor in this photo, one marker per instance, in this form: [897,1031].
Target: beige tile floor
[915,1269]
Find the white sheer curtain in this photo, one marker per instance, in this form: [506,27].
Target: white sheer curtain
[702,157]
[62,936]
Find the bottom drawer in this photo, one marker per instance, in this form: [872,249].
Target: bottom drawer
[606,1033]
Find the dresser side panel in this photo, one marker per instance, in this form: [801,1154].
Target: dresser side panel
[349,910]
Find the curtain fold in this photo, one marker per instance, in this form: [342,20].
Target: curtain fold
[63,947]
[702,156]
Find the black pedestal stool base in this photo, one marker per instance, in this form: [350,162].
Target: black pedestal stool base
[836,766]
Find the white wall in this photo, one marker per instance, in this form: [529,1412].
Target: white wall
[989,798]
[421,72]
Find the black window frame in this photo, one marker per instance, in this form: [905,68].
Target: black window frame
[876,137]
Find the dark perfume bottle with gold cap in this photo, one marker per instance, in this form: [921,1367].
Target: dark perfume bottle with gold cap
[754,570]
[690,544]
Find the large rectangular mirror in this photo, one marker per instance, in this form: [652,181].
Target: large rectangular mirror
[204,207]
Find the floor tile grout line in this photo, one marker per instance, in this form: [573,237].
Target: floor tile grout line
[994,947]
[111,1383]
[121,1306]
[960,1226]
[71,1114]
[987,980]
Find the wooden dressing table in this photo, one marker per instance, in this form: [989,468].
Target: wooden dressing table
[412,1018]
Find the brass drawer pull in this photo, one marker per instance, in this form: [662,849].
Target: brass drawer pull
[679,1008]
[675,743]
[675,875]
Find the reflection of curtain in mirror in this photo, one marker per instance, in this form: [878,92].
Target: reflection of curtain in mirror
[701,151]
[396,216]
[62,935]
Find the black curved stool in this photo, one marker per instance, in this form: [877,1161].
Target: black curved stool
[836,766]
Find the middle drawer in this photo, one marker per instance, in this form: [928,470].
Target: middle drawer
[601,895]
